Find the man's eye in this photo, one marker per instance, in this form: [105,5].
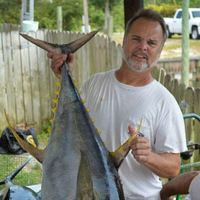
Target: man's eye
[152,44]
[135,39]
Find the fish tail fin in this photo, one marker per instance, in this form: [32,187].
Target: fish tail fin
[44,45]
[34,151]
[74,46]
[119,155]
[64,48]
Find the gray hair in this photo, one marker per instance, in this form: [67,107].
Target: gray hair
[150,15]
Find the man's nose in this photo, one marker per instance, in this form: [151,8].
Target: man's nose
[143,45]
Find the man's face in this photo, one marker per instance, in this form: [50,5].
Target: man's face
[143,44]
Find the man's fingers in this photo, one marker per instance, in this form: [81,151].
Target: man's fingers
[131,129]
[58,60]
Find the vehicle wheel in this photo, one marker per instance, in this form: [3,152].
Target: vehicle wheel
[194,34]
[169,35]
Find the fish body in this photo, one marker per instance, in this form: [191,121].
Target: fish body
[76,163]
[75,150]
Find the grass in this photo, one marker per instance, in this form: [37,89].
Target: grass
[31,174]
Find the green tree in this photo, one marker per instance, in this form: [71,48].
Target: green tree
[45,13]
[160,2]
[96,17]
[10,11]
[118,17]
[107,6]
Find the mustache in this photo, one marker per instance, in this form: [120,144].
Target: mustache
[145,54]
[141,53]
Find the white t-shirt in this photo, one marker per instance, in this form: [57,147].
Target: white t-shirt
[194,189]
[114,106]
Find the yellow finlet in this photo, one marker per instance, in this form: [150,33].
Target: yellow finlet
[79,92]
[52,120]
[57,92]
[54,109]
[58,83]
[55,100]
[98,131]
[49,130]
[59,75]
[87,109]
[83,100]
[93,120]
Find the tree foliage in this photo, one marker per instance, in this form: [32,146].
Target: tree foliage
[45,13]
[166,10]
[101,3]
[10,11]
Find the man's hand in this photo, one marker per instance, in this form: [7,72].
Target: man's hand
[140,147]
[166,165]
[58,60]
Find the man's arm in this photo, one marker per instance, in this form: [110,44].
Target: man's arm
[178,185]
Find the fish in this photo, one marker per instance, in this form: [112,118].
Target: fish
[17,192]
[76,163]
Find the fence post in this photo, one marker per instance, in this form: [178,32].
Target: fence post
[197,80]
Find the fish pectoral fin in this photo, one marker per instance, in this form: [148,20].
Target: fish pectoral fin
[119,155]
[84,180]
[3,193]
[34,151]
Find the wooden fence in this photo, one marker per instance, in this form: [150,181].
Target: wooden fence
[27,84]
[188,99]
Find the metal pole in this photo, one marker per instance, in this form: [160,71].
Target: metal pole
[59,18]
[185,42]
[31,10]
[85,9]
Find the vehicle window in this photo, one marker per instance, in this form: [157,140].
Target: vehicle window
[195,14]
[179,15]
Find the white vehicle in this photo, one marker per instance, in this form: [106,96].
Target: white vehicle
[174,25]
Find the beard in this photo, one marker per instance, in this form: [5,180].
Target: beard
[136,65]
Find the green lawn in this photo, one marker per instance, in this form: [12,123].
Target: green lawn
[31,174]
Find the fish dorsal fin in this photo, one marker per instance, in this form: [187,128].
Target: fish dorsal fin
[84,180]
[34,151]
[119,155]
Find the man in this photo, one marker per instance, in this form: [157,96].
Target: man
[118,99]
[187,183]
